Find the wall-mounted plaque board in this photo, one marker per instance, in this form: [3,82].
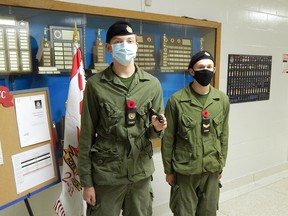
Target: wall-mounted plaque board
[62,43]
[15,53]
[248,77]
[146,52]
[175,53]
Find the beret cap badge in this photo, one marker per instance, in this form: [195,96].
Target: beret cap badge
[129,29]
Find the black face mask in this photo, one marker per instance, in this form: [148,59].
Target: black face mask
[203,77]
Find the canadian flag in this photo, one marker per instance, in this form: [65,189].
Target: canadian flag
[70,202]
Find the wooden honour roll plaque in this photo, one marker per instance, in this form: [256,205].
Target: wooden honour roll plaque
[62,43]
[175,53]
[146,52]
[15,51]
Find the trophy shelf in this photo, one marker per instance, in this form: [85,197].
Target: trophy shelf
[146,24]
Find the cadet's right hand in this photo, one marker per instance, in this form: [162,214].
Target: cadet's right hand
[89,195]
[170,179]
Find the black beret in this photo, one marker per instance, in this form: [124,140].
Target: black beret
[199,56]
[119,28]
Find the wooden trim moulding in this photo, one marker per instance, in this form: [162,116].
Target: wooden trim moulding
[106,11]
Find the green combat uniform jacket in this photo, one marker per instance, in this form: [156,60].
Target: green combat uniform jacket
[111,153]
[185,149]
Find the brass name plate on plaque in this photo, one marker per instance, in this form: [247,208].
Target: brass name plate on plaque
[15,51]
[146,52]
[175,53]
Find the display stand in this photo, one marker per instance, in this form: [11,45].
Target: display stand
[27,149]
[28,207]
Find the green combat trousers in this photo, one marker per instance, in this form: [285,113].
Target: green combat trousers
[195,195]
[133,199]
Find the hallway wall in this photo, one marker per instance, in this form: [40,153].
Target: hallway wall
[258,143]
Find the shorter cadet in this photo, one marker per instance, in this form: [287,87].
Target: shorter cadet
[195,143]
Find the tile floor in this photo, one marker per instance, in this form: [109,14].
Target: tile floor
[266,197]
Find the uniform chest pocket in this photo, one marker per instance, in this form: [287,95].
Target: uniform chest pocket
[188,123]
[218,124]
[110,116]
[186,130]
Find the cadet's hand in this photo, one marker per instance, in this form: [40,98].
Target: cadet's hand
[89,195]
[170,179]
[159,126]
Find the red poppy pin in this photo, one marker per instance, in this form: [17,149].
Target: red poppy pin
[131,104]
[205,113]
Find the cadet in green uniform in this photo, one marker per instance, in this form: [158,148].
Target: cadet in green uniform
[194,146]
[115,161]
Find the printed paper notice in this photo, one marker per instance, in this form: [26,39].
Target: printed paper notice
[32,168]
[285,63]
[1,155]
[32,120]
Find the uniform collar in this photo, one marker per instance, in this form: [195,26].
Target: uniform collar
[109,75]
[187,96]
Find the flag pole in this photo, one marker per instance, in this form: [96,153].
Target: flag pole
[70,202]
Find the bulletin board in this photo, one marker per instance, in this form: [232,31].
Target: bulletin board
[27,157]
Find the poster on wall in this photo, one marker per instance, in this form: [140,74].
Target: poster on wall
[285,63]
[249,77]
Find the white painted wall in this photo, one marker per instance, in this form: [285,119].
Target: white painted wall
[258,130]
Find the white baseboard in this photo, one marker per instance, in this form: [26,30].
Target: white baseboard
[253,177]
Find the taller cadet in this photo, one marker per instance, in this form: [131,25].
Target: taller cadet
[195,143]
[115,162]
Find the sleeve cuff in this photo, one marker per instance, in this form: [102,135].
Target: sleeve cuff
[86,181]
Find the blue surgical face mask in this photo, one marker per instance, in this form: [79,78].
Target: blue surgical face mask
[124,52]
